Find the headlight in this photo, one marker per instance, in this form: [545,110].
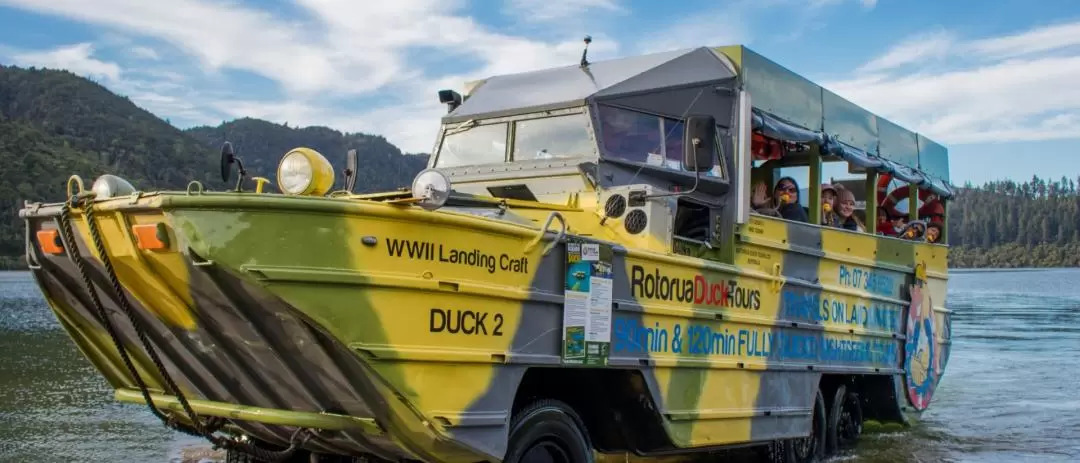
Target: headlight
[110,186]
[303,171]
[432,188]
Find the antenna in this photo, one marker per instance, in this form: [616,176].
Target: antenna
[585,53]
[350,170]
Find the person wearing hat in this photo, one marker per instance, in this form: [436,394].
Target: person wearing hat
[828,206]
[914,230]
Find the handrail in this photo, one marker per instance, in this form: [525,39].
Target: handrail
[543,231]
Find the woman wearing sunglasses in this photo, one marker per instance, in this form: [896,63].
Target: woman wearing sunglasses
[784,201]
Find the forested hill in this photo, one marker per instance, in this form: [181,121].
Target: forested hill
[54,124]
[1008,224]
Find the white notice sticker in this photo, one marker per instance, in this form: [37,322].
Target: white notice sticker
[590,252]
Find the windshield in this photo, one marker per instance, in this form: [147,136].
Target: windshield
[542,138]
[483,144]
[552,137]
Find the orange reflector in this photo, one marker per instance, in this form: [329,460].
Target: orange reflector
[151,236]
[49,240]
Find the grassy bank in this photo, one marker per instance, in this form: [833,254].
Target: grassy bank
[13,263]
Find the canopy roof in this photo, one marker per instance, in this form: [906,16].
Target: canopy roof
[785,105]
[790,107]
[572,85]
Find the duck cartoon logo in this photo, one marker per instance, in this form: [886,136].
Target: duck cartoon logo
[919,350]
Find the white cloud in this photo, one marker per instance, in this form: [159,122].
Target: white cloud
[145,53]
[867,4]
[969,94]
[355,66]
[560,10]
[933,45]
[1037,40]
[334,51]
[709,30]
[77,58]
[229,36]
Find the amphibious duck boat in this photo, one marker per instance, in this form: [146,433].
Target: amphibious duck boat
[578,275]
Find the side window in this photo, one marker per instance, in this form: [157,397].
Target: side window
[674,132]
[648,139]
[483,144]
[691,221]
[631,135]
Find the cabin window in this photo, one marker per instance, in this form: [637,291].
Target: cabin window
[553,137]
[645,138]
[480,144]
[633,136]
[691,221]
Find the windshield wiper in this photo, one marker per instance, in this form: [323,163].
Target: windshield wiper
[462,127]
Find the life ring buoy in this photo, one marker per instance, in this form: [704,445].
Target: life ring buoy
[882,186]
[889,201]
[763,148]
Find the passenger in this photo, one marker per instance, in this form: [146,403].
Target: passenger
[846,211]
[785,200]
[895,223]
[915,230]
[932,211]
[828,206]
[933,232]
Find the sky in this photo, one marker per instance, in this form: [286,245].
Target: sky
[997,82]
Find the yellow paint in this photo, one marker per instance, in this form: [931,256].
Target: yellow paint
[381,305]
[419,364]
[259,182]
[322,173]
[165,294]
[707,399]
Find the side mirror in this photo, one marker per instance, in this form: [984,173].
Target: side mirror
[227,157]
[451,99]
[699,147]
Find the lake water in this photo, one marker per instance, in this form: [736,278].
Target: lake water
[1011,391]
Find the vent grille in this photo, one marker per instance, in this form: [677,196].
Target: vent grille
[615,206]
[636,221]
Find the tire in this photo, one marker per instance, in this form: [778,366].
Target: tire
[300,456]
[845,420]
[240,456]
[548,431]
[810,449]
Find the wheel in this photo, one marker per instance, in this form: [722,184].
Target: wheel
[548,431]
[845,420]
[240,456]
[811,448]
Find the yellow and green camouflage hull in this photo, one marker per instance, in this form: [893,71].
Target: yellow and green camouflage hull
[404,333]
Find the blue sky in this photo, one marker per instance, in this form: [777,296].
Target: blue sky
[997,82]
